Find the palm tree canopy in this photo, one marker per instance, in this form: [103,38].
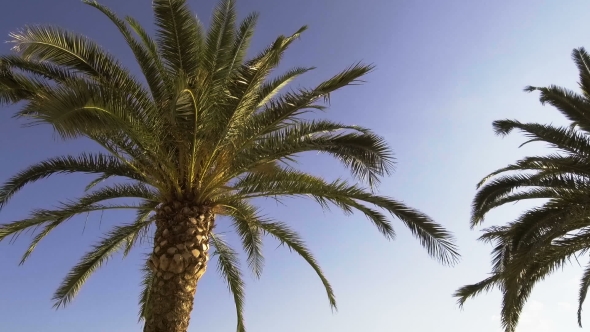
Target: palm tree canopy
[545,238]
[203,124]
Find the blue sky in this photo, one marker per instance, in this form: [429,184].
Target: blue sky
[445,71]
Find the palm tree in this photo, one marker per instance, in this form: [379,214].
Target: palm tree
[545,238]
[206,134]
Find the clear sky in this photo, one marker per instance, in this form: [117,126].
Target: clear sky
[445,71]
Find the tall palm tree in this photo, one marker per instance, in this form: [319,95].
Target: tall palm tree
[545,238]
[206,134]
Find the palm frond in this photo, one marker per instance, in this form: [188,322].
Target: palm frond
[469,291]
[95,258]
[566,139]
[582,60]
[43,69]
[96,182]
[179,36]
[437,241]
[40,217]
[145,214]
[146,287]
[85,204]
[15,87]
[228,267]
[269,89]
[246,223]
[498,188]
[149,63]
[97,163]
[365,154]
[220,43]
[242,39]
[76,52]
[573,106]
[551,164]
[291,239]
[291,105]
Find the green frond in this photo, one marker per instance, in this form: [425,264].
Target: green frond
[517,287]
[228,267]
[220,42]
[493,233]
[582,60]
[96,182]
[541,225]
[229,123]
[179,36]
[517,281]
[75,52]
[294,183]
[40,217]
[48,228]
[95,258]
[498,189]
[573,106]
[82,108]
[15,87]
[566,139]
[366,155]
[51,219]
[289,106]
[548,164]
[43,69]
[501,255]
[242,40]
[123,190]
[271,88]
[85,204]
[150,64]
[145,214]
[466,292]
[281,42]
[97,163]
[530,193]
[246,223]
[350,76]
[146,286]
[292,240]
[437,241]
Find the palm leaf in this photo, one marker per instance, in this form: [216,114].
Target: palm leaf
[144,298]
[228,267]
[96,257]
[291,239]
[179,35]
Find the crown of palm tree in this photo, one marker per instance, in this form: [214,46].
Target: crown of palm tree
[545,238]
[208,126]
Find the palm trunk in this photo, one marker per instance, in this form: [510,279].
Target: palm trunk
[178,261]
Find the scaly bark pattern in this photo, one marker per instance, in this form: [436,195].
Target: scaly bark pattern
[179,260]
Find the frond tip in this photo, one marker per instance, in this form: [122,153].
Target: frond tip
[291,239]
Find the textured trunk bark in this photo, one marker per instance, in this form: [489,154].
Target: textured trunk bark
[179,260]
